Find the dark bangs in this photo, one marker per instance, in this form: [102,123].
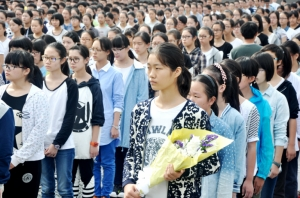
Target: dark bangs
[119,41]
[20,58]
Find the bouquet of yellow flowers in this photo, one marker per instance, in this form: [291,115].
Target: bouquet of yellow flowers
[184,148]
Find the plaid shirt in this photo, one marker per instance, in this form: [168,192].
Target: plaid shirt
[198,60]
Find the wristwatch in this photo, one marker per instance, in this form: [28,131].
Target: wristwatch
[277,164]
[57,146]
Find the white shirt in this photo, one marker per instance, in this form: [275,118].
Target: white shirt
[5,46]
[208,55]
[125,72]
[151,25]
[236,42]
[58,38]
[157,134]
[103,31]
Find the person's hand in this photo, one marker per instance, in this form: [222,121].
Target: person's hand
[130,191]
[94,151]
[170,174]
[11,166]
[247,189]
[51,151]
[274,171]
[114,132]
[258,184]
[290,152]
[233,195]
[1,189]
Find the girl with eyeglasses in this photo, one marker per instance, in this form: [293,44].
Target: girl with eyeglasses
[112,87]
[228,33]
[31,114]
[89,119]
[237,29]
[284,24]
[206,38]
[136,90]
[62,93]
[281,57]
[38,48]
[168,75]
[171,23]
[221,45]
[86,39]
[280,33]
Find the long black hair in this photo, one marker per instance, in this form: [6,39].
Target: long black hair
[231,93]
[211,89]
[85,53]
[122,41]
[105,45]
[174,60]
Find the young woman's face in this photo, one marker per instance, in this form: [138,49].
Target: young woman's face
[139,46]
[258,11]
[187,9]
[273,19]
[97,53]
[167,14]
[67,43]
[283,20]
[156,41]
[111,35]
[89,11]
[170,24]
[52,60]
[204,37]
[236,15]
[16,73]
[109,21]
[139,17]
[36,56]
[198,96]
[293,20]
[74,13]
[261,76]
[76,61]
[218,32]
[160,18]
[14,27]
[36,27]
[18,14]
[181,10]
[120,53]
[35,14]
[207,22]
[245,82]
[130,19]
[191,23]
[276,62]
[152,15]
[26,18]
[86,40]
[75,22]
[187,39]
[237,30]
[172,39]
[66,15]
[101,19]
[265,24]
[175,13]
[55,23]
[161,77]
[86,21]
[228,28]
[123,19]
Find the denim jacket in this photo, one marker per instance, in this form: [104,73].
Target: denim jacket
[190,117]
[237,124]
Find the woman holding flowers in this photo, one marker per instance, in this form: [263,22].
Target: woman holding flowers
[153,120]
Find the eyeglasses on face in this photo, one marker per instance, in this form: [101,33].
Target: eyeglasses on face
[118,49]
[10,67]
[51,59]
[74,60]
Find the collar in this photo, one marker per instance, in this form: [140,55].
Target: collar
[269,91]
[105,68]
[138,65]
[212,118]
[227,108]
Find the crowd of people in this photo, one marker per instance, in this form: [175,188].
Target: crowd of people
[90,91]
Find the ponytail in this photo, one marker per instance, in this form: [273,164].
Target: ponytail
[184,82]
[88,70]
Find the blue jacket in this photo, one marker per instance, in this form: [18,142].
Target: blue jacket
[264,146]
[136,91]
[7,133]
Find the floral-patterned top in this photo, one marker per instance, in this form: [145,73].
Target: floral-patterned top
[190,117]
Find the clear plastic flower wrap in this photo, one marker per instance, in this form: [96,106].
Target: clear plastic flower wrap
[184,148]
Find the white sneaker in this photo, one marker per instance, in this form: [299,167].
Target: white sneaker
[121,194]
[113,194]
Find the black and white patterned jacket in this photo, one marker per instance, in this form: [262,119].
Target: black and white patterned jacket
[190,117]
